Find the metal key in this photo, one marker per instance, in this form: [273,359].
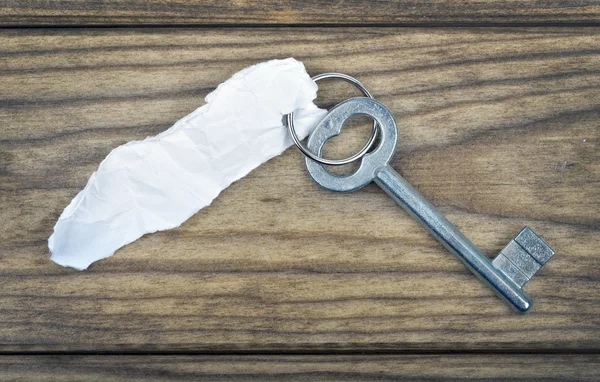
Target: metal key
[509,271]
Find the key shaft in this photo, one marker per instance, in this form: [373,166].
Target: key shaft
[446,233]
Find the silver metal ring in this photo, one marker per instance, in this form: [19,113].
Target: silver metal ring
[334,162]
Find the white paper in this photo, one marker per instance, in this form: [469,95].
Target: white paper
[158,183]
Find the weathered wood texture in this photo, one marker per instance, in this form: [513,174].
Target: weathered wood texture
[498,127]
[302,368]
[219,12]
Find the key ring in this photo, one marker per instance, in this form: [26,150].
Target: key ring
[334,162]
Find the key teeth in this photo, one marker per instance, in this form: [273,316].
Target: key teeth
[534,245]
[523,256]
[503,264]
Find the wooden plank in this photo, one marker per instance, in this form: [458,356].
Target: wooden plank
[302,368]
[218,12]
[499,128]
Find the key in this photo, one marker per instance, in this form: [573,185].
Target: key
[505,275]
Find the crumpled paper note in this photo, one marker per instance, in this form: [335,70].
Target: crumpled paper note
[158,183]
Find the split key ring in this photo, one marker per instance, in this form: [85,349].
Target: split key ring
[335,162]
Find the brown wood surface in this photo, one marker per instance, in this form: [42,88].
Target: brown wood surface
[219,12]
[499,127]
[302,368]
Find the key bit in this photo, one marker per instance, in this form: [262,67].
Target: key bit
[523,257]
[506,275]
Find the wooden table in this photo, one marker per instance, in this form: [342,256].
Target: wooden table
[498,105]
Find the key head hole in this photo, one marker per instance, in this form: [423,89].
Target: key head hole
[354,135]
[331,126]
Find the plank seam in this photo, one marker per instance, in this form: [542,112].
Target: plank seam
[583,24]
[310,352]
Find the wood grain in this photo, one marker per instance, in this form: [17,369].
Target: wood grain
[302,368]
[498,127]
[311,12]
